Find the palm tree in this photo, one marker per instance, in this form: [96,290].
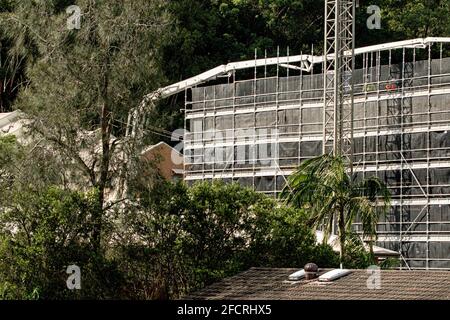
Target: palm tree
[325,189]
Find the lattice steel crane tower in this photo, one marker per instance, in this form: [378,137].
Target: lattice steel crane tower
[339,47]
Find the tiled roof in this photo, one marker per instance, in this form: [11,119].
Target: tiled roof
[273,284]
[10,123]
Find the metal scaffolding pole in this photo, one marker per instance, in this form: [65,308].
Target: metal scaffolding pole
[338,78]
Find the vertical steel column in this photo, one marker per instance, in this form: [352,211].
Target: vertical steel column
[300,117]
[235,137]
[202,140]
[185,133]
[429,120]
[215,159]
[254,148]
[275,157]
[338,78]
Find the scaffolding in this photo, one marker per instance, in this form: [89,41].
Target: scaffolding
[257,131]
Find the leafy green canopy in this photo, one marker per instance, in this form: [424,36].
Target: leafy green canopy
[112,59]
[194,236]
[83,83]
[40,235]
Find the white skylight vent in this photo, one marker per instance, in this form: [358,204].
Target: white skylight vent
[296,276]
[334,274]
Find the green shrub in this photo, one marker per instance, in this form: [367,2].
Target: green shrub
[198,235]
[43,234]
[170,240]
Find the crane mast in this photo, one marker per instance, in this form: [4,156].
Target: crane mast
[338,78]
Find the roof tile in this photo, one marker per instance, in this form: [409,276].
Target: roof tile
[273,284]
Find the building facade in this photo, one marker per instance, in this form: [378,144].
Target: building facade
[257,131]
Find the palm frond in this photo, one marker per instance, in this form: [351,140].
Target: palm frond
[325,190]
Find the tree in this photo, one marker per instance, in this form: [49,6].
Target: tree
[41,234]
[84,82]
[323,187]
[11,65]
[417,18]
[10,151]
[282,239]
[182,238]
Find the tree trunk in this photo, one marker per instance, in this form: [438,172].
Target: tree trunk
[104,169]
[372,255]
[341,226]
[106,121]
